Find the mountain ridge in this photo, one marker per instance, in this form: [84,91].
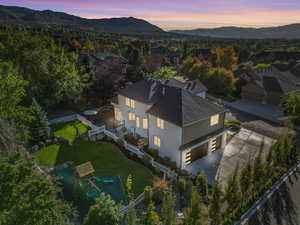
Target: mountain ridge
[14,15]
[289,31]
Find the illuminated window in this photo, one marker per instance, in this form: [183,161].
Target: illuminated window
[131,116]
[145,123]
[214,120]
[132,103]
[117,114]
[160,123]
[127,100]
[137,122]
[156,141]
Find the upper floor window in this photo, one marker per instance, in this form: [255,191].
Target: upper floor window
[156,141]
[127,100]
[130,102]
[137,122]
[131,116]
[160,123]
[214,120]
[145,123]
[117,114]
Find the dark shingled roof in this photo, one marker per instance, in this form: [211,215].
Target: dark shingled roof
[271,84]
[194,86]
[147,91]
[174,104]
[182,108]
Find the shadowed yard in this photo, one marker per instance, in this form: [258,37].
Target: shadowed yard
[106,158]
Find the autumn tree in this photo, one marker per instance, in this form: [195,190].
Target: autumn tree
[226,58]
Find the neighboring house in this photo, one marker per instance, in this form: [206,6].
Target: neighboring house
[202,54]
[161,56]
[269,85]
[107,65]
[175,117]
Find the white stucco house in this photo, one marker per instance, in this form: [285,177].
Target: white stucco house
[174,116]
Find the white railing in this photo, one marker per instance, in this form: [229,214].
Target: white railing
[96,131]
[133,203]
[111,135]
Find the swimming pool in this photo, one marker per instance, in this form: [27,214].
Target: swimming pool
[83,192]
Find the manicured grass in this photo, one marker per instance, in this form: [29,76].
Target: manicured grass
[106,158]
[70,131]
[48,155]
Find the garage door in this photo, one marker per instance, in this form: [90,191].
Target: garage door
[197,153]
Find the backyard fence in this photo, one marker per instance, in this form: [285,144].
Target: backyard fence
[133,203]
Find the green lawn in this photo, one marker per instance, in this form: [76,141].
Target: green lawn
[106,158]
[71,130]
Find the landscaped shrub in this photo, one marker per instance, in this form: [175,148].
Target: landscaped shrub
[153,152]
[120,142]
[148,194]
[132,138]
[183,173]
[146,160]
[235,125]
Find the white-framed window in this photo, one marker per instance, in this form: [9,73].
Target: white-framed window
[132,103]
[156,141]
[145,123]
[131,116]
[127,101]
[214,120]
[137,122]
[117,114]
[160,123]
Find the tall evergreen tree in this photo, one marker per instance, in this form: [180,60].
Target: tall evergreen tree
[39,128]
[168,210]
[150,217]
[246,181]
[215,205]
[131,218]
[233,192]
[202,185]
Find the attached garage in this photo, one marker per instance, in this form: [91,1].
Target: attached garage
[197,153]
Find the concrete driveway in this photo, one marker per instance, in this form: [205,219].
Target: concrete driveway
[221,164]
[242,148]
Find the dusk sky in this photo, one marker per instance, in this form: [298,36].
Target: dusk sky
[182,14]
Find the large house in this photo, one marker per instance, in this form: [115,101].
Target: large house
[174,116]
[269,85]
